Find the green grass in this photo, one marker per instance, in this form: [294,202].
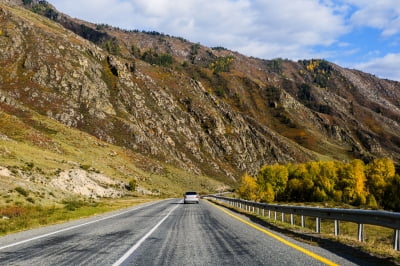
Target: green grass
[26,199]
[42,148]
[22,217]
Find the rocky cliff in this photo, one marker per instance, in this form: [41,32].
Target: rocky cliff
[205,110]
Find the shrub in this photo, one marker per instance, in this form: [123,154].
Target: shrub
[13,211]
[73,204]
[112,46]
[194,49]
[221,64]
[85,167]
[154,58]
[132,185]
[22,191]
[275,65]
[30,199]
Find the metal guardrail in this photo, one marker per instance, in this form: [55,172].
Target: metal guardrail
[361,217]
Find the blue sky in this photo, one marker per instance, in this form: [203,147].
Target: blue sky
[360,34]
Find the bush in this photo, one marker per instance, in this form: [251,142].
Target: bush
[132,185]
[85,167]
[30,199]
[22,191]
[73,204]
[221,64]
[154,58]
[112,46]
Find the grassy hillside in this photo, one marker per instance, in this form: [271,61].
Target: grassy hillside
[34,150]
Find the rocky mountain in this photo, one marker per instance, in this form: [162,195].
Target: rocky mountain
[208,111]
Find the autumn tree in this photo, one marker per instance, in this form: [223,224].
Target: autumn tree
[371,201]
[326,176]
[351,182]
[276,175]
[379,174]
[300,185]
[267,195]
[373,185]
[248,188]
[319,195]
[391,199]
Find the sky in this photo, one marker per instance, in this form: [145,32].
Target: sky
[359,34]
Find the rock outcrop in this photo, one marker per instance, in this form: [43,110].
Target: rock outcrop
[161,96]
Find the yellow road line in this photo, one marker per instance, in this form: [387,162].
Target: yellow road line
[284,241]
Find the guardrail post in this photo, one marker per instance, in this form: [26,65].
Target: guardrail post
[318,225]
[337,227]
[396,240]
[360,217]
[361,232]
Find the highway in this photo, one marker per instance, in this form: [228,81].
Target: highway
[165,232]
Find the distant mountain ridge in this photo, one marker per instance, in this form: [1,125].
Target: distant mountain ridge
[206,110]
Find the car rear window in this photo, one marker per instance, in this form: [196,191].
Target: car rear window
[191,193]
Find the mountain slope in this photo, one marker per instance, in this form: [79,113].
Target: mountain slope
[204,110]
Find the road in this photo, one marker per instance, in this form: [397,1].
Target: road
[166,232]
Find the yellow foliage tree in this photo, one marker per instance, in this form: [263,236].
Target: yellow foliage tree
[352,182]
[248,188]
[276,175]
[268,194]
[359,175]
[326,176]
[379,174]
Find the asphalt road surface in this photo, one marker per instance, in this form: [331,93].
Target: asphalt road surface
[164,233]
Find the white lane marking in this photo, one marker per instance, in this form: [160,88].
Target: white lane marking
[137,245]
[75,226]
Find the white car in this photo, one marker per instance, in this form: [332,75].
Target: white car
[191,197]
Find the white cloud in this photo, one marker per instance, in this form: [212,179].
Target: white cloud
[383,15]
[263,28]
[384,67]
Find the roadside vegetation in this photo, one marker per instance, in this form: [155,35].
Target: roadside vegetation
[14,218]
[34,150]
[373,185]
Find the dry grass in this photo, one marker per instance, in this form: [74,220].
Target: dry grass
[17,218]
[68,148]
